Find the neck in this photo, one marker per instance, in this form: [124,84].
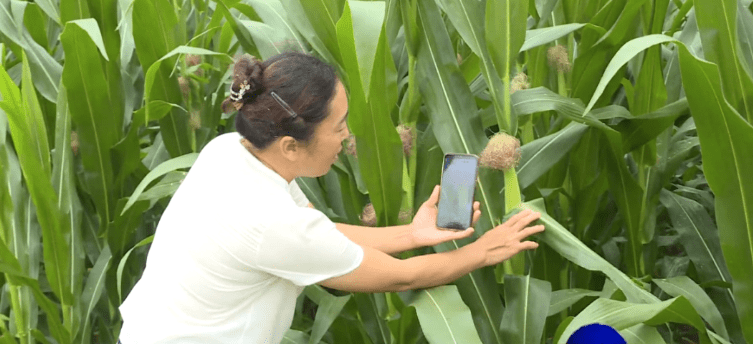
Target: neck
[264,159]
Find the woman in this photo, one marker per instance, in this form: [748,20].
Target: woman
[239,240]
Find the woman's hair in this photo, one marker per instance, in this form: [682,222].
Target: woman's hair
[301,81]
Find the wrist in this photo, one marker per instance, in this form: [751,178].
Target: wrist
[476,253]
[410,228]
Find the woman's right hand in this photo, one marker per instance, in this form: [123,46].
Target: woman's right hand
[504,241]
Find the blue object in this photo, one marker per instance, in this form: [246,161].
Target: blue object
[596,334]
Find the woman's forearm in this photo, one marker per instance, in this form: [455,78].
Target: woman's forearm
[442,268]
[391,240]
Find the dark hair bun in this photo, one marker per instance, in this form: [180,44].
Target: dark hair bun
[248,71]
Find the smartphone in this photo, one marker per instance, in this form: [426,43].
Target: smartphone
[458,189]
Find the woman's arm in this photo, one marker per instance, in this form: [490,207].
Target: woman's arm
[421,232]
[379,273]
[390,240]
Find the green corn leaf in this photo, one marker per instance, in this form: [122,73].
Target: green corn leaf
[682,285]
[173,164]
[45,69]
[295,337]
[444,317]
[567,245]
[95,284]
[539,37]
[698,235]
[564,298]
[64,182]
[505,28]
[273,13]
[465,16]
[642,334]
[312,30]
[123,261]
[721,45]
[745,35]
[527,304]
[329,308]
[29,135]
[538,156]
[725,144]
[10,266]
[625,54]
[455,120]
[318,18]
[156,33]
[363,46]
[89,104]
[372,309]
[621,315]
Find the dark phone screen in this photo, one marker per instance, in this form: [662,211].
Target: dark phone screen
[456,196]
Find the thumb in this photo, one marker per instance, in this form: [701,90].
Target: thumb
[466,233]
[434,198]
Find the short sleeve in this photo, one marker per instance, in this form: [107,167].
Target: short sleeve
[306,248]
[299,197]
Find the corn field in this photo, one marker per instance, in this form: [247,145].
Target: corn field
[635,122]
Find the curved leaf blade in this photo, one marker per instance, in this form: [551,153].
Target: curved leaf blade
[726,139]
[444,317]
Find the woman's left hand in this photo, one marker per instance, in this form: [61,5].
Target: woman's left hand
[424,231]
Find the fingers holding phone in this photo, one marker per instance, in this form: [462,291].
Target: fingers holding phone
[505,240]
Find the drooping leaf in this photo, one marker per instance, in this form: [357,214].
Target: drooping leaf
[682,285]
[621,315]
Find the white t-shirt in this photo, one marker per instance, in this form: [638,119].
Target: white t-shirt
[233,250]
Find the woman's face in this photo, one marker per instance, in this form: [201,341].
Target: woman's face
[328,136]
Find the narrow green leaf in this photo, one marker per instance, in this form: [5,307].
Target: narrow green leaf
[465,16]
[363,47]
[527,304]
[45,69]
[163,168]
[295,337]
[64,182]
[454,118]
[642,334]
[505,34]
[682,285]
[29,135]
[721,45]
[625,54]
[726,139]
[95,284]
[539,37]
[90,26]
[564,298]
[621,315]
[124,260]
[272,13]
[444,317]
[538,156]
[698,235]
[567,245]
[89,103]
[372,310]
[156,32]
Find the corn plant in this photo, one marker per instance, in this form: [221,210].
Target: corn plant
[627,124]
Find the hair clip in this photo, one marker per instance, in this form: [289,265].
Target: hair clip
[237,96]
[283,104]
